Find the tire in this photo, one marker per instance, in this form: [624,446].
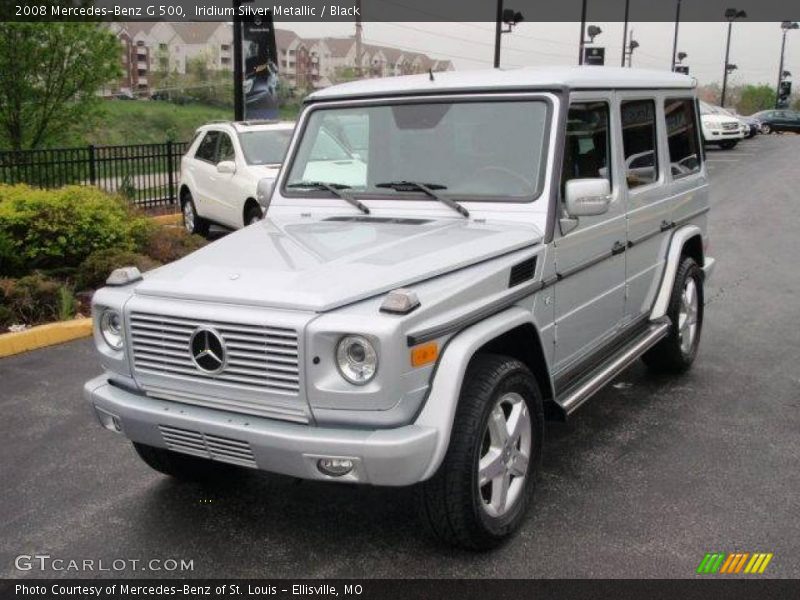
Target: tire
[452,505]
[729,145]
[676,353]
[766,128]
[252,214]
[192,222]
[183,466]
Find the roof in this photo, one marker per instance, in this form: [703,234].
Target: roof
[252,125]
[512,79]
[196,33]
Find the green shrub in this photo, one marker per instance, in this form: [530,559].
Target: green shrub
[94,271]
[166,244]
[60,228]
[32,299]
[67,304]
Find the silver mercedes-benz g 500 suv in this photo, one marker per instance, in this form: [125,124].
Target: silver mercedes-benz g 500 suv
[447,260]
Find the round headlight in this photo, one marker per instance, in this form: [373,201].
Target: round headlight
[356,359]
[111,328]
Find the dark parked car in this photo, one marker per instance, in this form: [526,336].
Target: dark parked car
[779,120]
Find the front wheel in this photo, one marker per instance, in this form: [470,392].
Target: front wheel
[480,493]
[252,215]
[192,222]
[676,352]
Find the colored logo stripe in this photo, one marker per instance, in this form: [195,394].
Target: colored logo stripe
[734,562]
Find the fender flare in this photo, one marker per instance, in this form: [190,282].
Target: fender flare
[440,409]
[679,238]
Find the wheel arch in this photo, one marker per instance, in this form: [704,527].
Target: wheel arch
[247,204]
[503,333]
[686,241]
[184,189]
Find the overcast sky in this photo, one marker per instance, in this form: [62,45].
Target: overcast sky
[755,47]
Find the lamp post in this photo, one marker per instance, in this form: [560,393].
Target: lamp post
[625,32]
[731,15]
[786,26]
[675,38]
[581,42]
[510,18]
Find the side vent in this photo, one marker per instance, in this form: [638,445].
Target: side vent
[522,272]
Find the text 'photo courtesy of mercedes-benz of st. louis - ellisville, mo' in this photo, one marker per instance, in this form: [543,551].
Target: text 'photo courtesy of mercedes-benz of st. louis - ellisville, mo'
[399,299]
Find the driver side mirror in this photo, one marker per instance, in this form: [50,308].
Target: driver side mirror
[226,166]
[264,192]
[587,197]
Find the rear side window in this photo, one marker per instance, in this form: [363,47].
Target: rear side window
[207,150]
[225,151]
[639,142]
[586,148]
[684,145]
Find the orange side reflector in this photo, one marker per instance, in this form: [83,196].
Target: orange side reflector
[424,354]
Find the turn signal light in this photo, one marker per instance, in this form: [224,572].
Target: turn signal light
[424,354]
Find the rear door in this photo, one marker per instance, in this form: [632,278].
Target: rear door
[203,170]
[590,259]
[648,201]
[226,196]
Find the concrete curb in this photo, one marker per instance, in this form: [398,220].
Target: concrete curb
[42,336]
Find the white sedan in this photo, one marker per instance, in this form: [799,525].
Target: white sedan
[221,170]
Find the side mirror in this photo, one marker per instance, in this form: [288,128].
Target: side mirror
[587,197]
[264,192]
[226,166]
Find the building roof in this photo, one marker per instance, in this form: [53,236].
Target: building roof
[588,77]
[339,47]
[284,37]
[196,33]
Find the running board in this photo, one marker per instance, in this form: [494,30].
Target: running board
[574,396]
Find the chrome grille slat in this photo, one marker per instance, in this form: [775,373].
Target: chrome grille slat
[207,446]
[261,359]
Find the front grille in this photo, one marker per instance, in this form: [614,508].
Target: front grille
[206,445]
[259,358]
[730,126]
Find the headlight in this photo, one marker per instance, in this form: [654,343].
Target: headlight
[357,359]
[111,328]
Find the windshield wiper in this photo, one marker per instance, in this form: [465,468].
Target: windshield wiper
[427,189]
[337,189]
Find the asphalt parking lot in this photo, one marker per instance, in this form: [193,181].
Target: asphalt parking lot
[642,482]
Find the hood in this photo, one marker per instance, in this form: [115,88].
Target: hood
[720,119]
[318,265]
[265,171]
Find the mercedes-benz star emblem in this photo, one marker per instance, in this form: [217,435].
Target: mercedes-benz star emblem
[208,350]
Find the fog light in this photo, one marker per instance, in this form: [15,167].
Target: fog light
[335,467]
[107,420]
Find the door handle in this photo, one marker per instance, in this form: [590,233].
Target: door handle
[617,248]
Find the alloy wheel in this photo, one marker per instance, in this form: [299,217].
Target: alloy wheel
[505,453]
[688,315]
[188,216]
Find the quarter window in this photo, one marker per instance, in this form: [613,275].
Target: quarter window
[639,142]
[207,150]
[684,145]
[587,142]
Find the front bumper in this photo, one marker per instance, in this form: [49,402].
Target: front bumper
[391,457]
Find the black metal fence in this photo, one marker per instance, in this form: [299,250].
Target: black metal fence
[144,174]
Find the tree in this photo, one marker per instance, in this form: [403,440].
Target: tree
[754,98]
[50,74]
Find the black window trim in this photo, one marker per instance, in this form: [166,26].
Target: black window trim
[660,179]
[701,157]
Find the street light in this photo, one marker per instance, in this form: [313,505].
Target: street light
[510,18]
[731,14]
[786,26]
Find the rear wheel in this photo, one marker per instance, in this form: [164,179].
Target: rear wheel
[480,493]
[192,222]
[182,466]
[676,352]
[766,128]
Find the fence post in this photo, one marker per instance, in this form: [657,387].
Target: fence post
[170,177]
[92,166]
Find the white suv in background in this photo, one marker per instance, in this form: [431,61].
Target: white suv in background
[221,170]
[719,128]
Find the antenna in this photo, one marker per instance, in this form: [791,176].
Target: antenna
[430,74]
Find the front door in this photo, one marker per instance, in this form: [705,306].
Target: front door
[590,259]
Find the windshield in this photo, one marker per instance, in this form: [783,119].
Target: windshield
[265,147]
[462,150]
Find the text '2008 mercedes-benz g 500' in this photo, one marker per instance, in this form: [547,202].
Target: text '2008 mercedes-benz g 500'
[489,249]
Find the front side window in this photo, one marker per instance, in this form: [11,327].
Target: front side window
[682,138]
[587,145]
[207,150]
[639,142]
[482,150]
[225,150]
